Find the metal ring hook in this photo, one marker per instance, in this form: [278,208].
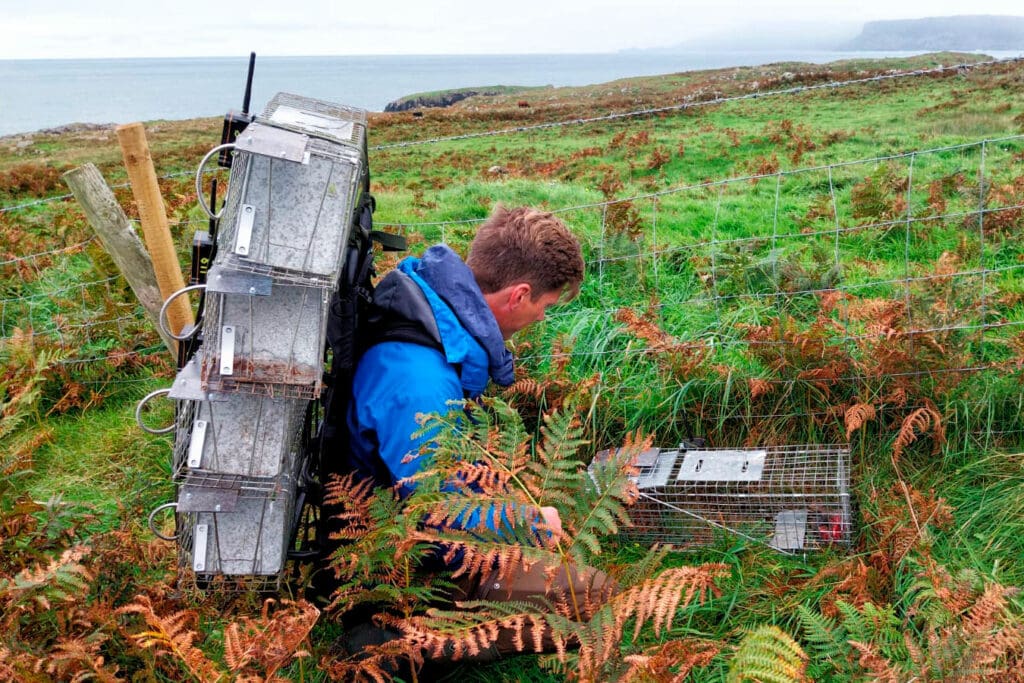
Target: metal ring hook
[153,528]
[199,180]
[142,404]
[163,314]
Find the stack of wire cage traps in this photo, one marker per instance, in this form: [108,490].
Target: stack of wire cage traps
[793,498]
[243,398]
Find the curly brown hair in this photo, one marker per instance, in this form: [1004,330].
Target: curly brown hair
[526,245]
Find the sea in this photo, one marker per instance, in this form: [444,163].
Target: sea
[49,93]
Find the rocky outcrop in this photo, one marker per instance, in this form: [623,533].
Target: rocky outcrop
[445,98]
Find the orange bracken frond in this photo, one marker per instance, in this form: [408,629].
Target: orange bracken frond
[670,662]
[657,599]
[920,422]
[477,558]
[857,416]
[759,387]
[986,614]
[527,386]
[272,640]
[880,669]
[897,397]
[171,635]
[79,659]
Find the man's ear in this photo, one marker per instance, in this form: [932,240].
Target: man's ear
[518,293]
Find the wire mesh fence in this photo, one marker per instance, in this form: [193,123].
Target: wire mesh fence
[897,267]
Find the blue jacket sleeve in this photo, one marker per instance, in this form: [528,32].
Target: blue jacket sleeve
[395,382]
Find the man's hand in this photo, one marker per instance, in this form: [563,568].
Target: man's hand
[552,521]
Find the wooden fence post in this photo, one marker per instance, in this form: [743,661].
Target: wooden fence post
[155,228]
[120,240]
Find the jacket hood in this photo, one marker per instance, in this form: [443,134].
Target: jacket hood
[439,292]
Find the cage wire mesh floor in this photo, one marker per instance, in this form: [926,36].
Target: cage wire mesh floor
[792,498]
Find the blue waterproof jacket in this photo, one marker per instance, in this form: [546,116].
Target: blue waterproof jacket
[397,380]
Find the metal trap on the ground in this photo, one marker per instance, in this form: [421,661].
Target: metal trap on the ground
[792,498]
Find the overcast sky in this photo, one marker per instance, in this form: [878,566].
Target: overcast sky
[32,29]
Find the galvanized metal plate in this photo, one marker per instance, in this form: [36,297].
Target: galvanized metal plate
[655,471]
[224,281]
[195,444]
[790,530]
[722,465]
[199,537]
[207,499]
[187,384]
[246,218]
[227,350]
[269,141]
[647,459]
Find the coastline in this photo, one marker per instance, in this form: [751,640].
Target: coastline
[49,94]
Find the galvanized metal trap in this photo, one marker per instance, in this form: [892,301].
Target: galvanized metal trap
[244,397]
[297,173]
[262,337]
[792,498]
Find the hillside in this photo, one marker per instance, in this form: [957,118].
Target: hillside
[789,255]
[966,32]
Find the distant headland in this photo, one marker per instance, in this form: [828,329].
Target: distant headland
[974,32]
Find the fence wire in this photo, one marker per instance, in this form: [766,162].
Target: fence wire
[682,106]
[918,251]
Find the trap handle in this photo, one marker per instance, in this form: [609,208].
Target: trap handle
[199,180]
[152,526]
[138,413]
[162,319]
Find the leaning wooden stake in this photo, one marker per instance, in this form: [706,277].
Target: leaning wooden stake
[119,239]
[155,227]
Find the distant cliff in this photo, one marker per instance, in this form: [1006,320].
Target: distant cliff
[974,32]
[446,98]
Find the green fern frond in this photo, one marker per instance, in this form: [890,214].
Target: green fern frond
[63,579]
[562,437]
[827,638]
[768,655]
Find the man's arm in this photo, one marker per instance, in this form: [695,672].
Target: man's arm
[395,382]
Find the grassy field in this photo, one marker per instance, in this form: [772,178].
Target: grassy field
[824,266]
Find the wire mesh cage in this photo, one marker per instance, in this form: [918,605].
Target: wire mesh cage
[295,178]
[241,459]
[328,120]
[792,498]
[237,462]
[268,340]
[234,526]
[243,434]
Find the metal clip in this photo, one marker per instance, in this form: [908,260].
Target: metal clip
[199,547]
[246,219]
[195,446]
[227,350]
